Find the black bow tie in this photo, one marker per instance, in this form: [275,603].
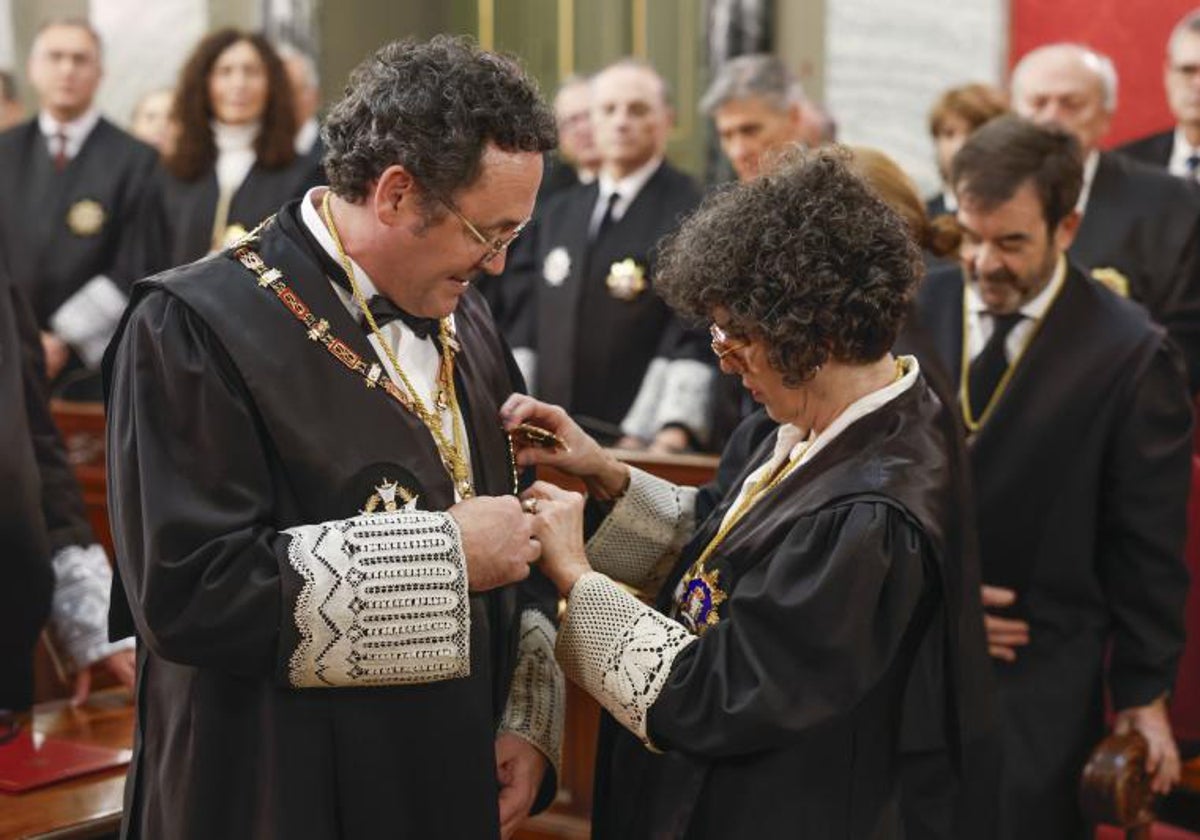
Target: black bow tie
[384,312]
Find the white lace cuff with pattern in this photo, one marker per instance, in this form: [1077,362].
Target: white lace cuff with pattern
[618,650]
[384,601]
[639,541]
[537,696]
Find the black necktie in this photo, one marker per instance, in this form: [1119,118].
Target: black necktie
[606,221]
[987,369]
[1192,163]
[384,312]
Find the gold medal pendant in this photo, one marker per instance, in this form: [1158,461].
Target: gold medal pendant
[86,217]
[626,280]
[699,601]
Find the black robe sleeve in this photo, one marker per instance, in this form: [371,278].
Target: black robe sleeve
[210,578]
[1140,547]
[807,633]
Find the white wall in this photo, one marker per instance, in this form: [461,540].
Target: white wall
[144,45]
[8,56]
[887,60]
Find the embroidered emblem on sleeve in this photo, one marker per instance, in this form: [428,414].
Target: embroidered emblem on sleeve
[384,601]
[537,697]
[618,650]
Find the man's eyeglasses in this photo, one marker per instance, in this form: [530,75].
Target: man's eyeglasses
[722,344]
[494,247]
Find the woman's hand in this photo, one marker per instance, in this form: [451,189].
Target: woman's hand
[605,476]
[558,526]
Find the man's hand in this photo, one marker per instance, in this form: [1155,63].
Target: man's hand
[122,665]
[496,539]
[605,476]
[57,354]
[519,769]
[1162,760]
[1004,635]
[558,525]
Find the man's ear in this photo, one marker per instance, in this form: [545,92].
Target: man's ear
[1064,234]
[395,194]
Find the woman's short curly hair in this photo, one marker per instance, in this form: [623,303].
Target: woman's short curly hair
[432,106]
[805,257]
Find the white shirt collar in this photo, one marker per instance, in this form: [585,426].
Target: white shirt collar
[1089,174]
[1181,150]
[791,441]
[1033,309]
[950,200]
[77,130]
[316,226]
[629,186]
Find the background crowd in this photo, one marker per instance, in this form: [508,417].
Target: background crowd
[1076,414]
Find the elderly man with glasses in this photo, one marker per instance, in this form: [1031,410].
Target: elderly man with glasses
[318,544]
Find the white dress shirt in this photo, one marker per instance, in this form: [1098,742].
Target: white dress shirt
[419,357]
[235,153]
[627,187]
[1181,150]
[980,323]
[76,131]
[1089,174]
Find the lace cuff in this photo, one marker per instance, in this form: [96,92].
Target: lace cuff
[618,650]
[641,538]
[88,319]
[537,697]
[384,601]
[687,392]
[79,611]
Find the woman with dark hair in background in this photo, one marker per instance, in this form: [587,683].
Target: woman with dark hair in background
[234,161]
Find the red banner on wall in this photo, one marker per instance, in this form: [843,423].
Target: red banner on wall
[1133,34]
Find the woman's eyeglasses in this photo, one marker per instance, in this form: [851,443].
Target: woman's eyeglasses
[722,344]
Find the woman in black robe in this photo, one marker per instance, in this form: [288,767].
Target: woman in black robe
[233,161]
[762,695]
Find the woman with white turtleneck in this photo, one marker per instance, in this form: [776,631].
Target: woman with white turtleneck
[234,163]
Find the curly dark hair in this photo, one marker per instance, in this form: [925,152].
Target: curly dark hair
[432,106]
[195,151]
[807,258]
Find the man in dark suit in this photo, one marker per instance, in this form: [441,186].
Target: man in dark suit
[71,241]
[578,159]
[1080,445]
[594,336]
[1177,149]
[1140,232]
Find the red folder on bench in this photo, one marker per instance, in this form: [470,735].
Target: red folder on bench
[32,760]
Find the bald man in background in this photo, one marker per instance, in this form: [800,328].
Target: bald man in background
[1140,233]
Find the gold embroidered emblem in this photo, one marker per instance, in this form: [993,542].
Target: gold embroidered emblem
[86,217]
[698,603]
[1114,279]
[626,279]
[385,494]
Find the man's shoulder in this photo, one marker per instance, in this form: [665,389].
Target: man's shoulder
[675,183]
[14,138]
[1132,180]
[1154,149]
[114,138]
[1111,318]
[217,279]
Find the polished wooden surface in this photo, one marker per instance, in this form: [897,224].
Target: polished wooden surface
[88,806]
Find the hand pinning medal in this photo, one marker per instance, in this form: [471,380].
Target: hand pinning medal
[527,434]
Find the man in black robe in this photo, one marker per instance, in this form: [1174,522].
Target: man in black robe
[600,341]
[71,240]
[1177,149]
[1140,229]
[1080,445]
[309,543]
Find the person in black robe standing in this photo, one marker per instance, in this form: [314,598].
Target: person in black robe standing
[234,159]
[593,333]
[762,695]
[1140,228]
[71,241]
[310,490]
[1080,430]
